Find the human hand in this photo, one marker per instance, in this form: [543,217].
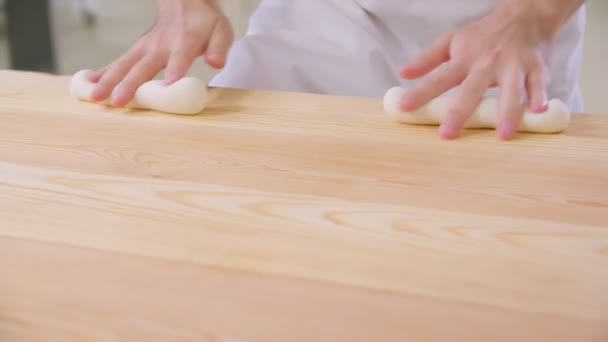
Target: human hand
[506,49]
[185,30]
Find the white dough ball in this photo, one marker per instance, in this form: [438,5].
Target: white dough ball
[555,119]
[186,96]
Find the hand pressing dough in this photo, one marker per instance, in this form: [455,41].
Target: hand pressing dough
[186,96]
[555,119]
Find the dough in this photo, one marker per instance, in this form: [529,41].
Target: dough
[555,119]
[186,96]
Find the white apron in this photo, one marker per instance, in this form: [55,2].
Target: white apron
[355,47]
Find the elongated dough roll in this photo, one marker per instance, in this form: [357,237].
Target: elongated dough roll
[554,120]
[187,96]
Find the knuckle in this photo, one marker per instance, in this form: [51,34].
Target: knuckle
[537,65]
[186,47]
[109,80]
[142,42]
[127,89]
[148,44]
[191,34]
[123,63]
[487,62]
[419,91]
[189,45]
[457,113]
[150,40]
[455,110]
[536,78]
[113,75]
[457,69]
[154,57]
[429,89]
[473,87]
[155,51]
[181,55]
[496,55]
[176,60]
[131,82]
[435,79]
[227,28]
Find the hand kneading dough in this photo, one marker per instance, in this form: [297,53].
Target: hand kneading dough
[186,96]
[554,120]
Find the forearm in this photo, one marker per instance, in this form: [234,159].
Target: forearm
[547,16]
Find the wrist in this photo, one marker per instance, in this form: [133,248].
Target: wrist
[544,17]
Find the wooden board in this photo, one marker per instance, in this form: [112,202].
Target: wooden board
[293,217]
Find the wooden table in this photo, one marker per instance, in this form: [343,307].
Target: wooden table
[293,217]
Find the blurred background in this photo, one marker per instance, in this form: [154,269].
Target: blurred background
[91,33]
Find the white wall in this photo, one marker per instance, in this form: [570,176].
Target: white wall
[594,76]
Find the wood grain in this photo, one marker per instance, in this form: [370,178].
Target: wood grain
[92,295]
[284,216]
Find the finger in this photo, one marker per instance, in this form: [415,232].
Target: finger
[180,61]
[95,76]
[510,105]
[115,73]
[143,71]
[536,88]
[437,54]
[219,44]
[438,83]
[465,101]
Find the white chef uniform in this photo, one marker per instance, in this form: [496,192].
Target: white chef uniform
[355,47]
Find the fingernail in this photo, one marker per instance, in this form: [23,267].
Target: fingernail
[449,130]
[216,59]
[540,107]
[505,130]
[98,94]
[407,103]
[168,80]
[117,95]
